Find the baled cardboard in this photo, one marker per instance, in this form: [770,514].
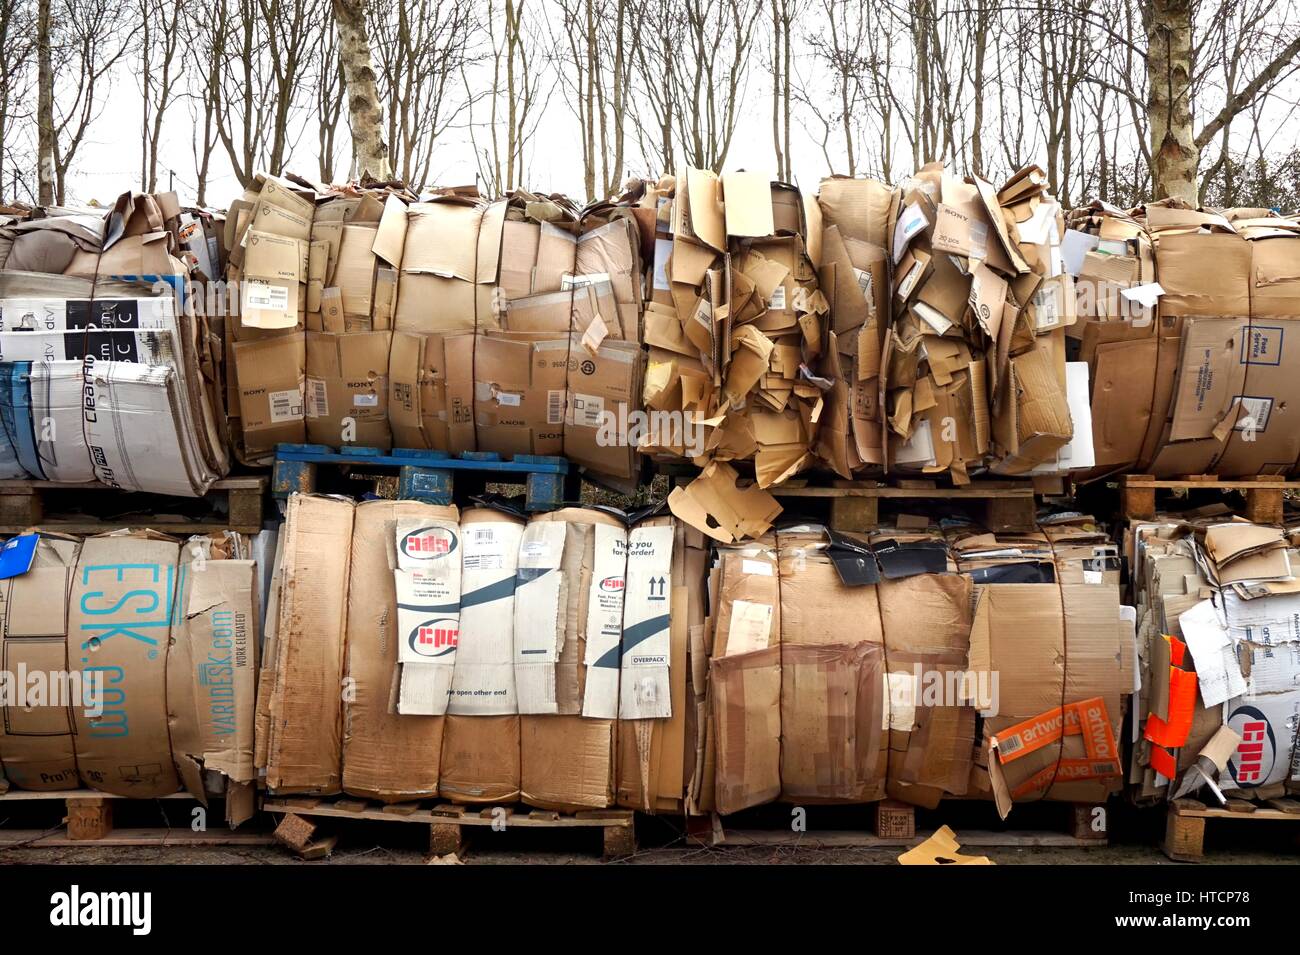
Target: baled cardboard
[271,373]
[483,682]
[36,743]
[387,757]
[518,395]
[120,622]
[304,744]
[427,575]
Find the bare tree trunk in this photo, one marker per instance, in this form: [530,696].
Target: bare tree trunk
[44,107]
[369,149]
[1169,108]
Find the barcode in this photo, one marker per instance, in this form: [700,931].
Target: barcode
[483,535]
[555,407]
[317,400]
[1009,745]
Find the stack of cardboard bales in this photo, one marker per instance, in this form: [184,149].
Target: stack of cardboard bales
[517,329]
[844,669]
[488,659]
[317,278]
[1182,317]
[975,363]
[736,326]
[101,327]
[159,639]
[1219,710]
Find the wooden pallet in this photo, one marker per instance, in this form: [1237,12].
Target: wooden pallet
[855,505]
[430,476]
[29,503]
[88,821]
[1186,818]
[449,824]
[1264,495]
[894,826]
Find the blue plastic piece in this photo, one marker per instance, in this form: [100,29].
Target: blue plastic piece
[469,461]
[432,486]
[16,412]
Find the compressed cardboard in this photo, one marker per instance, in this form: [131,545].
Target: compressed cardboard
[385,756]
[417,397]
[567,760]
[480,759]
[120,621]
[212,668]
[271,373]
[274,266]
[346,389]
[644,689]
[483,681]
[36,743]
[518,395]
[304,745]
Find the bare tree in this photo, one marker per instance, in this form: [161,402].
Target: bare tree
[329,89]
[421,49]
[17,39]
[515,95]
[159,39]
[783,13]
[261,79]
[596,45]
[45,104]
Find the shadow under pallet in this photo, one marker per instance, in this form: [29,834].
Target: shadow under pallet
[434,477]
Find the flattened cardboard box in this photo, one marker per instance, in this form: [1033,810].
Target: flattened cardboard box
[347,389]
[518,395]
[123,610]
[644,685]
[417,397]
[36,743]
[304,752]
[212,671]
[385,756]
[271,372]
[483,682]
[428,610]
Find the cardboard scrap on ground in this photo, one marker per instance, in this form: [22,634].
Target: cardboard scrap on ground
[942,848]
[714,505]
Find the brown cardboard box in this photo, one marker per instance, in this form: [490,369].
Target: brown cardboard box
[518,394]
[123,611]
[602,394]
[745,678]
[274,268]
[927,620]
[346,389]
[306,710]
[271,372]
[212,669]
[385,757]
[36,743]
[417,397]
[833,708]
[567,759]
[449,266]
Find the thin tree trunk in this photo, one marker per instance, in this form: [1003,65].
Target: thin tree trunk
[1169,109]
[44,107]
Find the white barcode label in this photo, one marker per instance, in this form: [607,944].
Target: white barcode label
[258,294]
[1012,744]
[570,281]
[482,535]
[864,281]
[777,302]
[318,405]
[759,567]
[555,407]
[586,410]
[286,405]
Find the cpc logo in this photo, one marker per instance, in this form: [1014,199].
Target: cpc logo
[428,543]
[435,638]
[1252,763]
[612,585]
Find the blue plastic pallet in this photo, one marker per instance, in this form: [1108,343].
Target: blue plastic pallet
[428,476]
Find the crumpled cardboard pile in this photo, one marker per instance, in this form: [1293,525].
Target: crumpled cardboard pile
[1217,602]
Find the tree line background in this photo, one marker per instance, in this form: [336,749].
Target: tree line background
[1119,99]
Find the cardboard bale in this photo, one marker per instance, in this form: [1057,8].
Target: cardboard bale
[449,266]
[120,622]
[36,742]
[428,579]
[418,411]
[305,715]
[385,756]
